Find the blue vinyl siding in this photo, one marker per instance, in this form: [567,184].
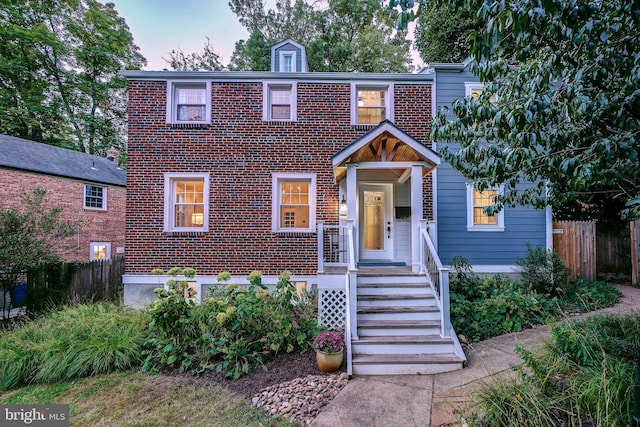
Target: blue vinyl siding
[288,47]
[522,224]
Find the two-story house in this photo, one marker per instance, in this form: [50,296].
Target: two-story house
[330,176]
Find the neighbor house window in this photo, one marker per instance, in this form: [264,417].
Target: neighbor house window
[294,202]
[477,218]
[371,104]
[95,197]
[186,202]
[475,89]
[188,102]
[288,62]
[279,100]
[100,250]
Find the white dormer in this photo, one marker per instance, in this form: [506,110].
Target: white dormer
[288,57]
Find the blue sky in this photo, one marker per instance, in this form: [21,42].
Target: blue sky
[161,25]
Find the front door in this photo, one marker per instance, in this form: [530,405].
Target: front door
[376,223]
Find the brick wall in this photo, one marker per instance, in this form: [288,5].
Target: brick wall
[241,152]
[95,225]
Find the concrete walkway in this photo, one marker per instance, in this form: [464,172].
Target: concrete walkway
[435,400]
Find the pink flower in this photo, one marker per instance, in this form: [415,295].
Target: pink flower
[330,342]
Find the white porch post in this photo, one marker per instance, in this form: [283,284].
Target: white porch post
[416,215]
[352,189]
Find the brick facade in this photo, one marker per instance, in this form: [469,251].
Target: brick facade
[241,151]
[95,225]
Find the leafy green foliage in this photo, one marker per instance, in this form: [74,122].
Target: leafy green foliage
[29,238]
[233,330]
[544,271]
[560,106]
[60,74]
[443,34]
[75,342]
[590,296]
[583,375]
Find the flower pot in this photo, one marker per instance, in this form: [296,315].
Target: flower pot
[329,362]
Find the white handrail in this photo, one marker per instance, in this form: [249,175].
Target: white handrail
[439,277]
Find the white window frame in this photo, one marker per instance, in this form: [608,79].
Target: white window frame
[388,100]
[499,226]
[266,100]
[169,188]
[469,87]
[277,178]
[104,198]
[107,246]
[172,113]
[294,63]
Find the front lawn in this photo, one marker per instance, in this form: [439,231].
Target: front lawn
[136,399]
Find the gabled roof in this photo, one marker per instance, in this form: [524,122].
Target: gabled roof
[303,54]
[384,143]
[22,154]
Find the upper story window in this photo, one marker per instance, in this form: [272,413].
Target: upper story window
[477,218]
[279,100]
[288,62]
[188,102]
[475,89]
[371,104]
[186,202]
[294,202]
[95,197]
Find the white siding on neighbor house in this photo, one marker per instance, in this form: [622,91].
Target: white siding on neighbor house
[522,224]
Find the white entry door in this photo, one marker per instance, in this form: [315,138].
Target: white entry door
[376,221]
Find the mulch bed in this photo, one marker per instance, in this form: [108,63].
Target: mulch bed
[278,369]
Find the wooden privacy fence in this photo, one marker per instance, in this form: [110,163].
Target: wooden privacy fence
[575,243]
[99,280]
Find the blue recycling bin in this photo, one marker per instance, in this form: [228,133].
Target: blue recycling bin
[19,295]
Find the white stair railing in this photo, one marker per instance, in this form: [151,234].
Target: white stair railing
[439,277]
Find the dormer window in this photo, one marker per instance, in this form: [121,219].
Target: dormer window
[288,62]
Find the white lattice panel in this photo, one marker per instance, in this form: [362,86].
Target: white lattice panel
[332,308]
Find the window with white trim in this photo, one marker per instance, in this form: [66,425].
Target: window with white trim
[477,218]
[475,89]
[294,202]
[95,197]
[99,250]
[371,104]
[188,102]
[288,62]
[279,100]
[186,202]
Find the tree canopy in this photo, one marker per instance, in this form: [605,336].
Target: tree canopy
[560,108]
[59,65]
[347,35]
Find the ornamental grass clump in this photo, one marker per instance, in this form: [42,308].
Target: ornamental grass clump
[329,342]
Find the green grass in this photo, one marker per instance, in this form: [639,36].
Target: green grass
[583,375]
[136,399]
[75,342]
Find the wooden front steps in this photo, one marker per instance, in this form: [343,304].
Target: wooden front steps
[399,327]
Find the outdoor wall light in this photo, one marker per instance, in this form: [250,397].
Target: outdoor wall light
[343,208]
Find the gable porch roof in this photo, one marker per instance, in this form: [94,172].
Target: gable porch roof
[385,143]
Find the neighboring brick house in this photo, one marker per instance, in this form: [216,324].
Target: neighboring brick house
[90,189]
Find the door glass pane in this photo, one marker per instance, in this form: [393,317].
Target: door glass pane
[373,220]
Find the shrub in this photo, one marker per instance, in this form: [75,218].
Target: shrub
[582,376]
[544,271]
[234,329]
[77,341]
[589,296]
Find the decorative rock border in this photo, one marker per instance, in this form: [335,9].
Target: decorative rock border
[300,400]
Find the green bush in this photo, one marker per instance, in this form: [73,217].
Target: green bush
[590,296]
[77,341]
[582,376]
[544,271]
[234,329]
